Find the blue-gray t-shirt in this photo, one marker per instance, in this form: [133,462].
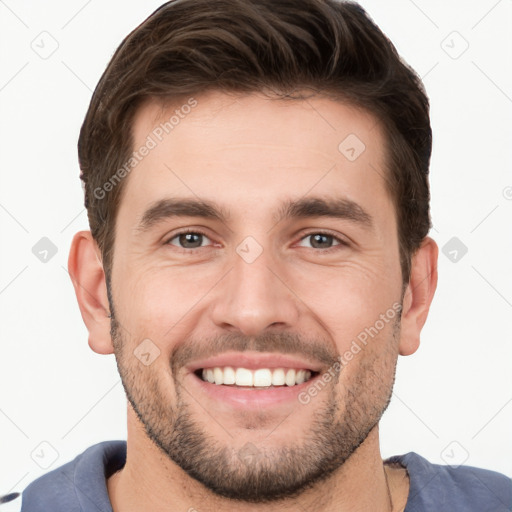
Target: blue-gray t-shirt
[80,485]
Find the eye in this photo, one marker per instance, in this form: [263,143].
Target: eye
[189,240]
[322,241]
[197,239]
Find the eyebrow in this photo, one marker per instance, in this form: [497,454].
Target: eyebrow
[340,208]
[169,207]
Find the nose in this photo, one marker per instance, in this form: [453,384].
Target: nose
[254,297]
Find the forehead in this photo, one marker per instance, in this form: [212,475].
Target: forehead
[223,146]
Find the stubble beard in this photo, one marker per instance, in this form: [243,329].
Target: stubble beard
[341,424]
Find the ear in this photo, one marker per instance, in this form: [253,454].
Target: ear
[86,271]
[418,295]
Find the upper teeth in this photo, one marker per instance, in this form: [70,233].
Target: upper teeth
[262,377]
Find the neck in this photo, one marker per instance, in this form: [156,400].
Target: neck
[151,481]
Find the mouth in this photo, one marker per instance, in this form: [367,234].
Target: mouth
[260,378]
[251,380]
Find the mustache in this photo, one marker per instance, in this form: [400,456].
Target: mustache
[284,343]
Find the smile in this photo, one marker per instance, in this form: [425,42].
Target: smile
[255,378]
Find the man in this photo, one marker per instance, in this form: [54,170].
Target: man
[256,180]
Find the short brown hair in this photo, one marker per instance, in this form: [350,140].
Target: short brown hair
[187,47]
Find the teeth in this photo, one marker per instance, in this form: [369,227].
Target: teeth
[300,377]
[290,377]
[218,376]
[278,377]
[243,377]
[209,375]
[260,378]
[229,375]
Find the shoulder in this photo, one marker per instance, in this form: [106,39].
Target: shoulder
[453,488]
[79,485]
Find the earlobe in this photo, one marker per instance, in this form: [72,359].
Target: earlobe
[418,295]
[88,277]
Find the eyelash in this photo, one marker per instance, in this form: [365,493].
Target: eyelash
[341,242]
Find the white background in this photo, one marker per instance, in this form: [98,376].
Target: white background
[453,398]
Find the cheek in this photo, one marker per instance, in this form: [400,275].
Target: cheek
[363,318]
[349,299]
[368,363]
[156,302]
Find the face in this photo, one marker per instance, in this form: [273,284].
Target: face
[256,247]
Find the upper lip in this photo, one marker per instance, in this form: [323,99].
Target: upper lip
[255,360]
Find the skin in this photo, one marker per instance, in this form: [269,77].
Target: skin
[322,297]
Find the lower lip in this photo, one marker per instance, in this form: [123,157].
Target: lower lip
[251,397]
